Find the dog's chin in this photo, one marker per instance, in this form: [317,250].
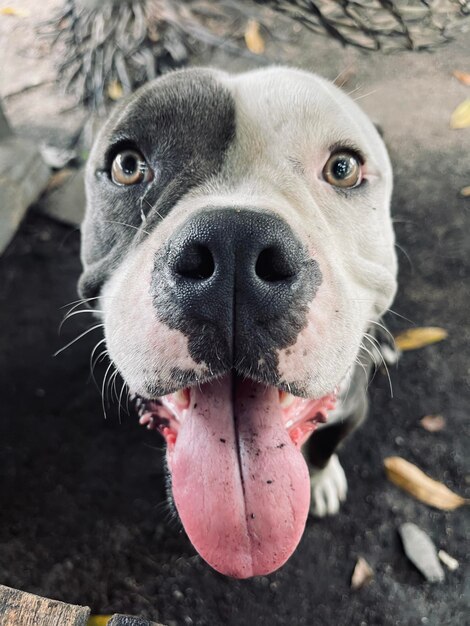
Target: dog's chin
[239,480]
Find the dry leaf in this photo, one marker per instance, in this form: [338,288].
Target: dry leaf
[421,551]
[460,118]
[362,575]
[59,178]
[465,192]
[433,423]
[415,338]
[448,560]
[253,39]
[421,486]
[99,620]
[115,91]
[462,77]
[14,12]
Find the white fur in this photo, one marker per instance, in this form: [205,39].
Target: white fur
[329,488]
[287,122]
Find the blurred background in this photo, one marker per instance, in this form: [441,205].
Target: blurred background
[83,515]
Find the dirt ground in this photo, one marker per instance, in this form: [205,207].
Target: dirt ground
[83,516]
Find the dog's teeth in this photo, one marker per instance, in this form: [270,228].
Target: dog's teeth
[286,399]
[181,397]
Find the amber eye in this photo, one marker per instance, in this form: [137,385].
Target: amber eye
[343,169]
[129,168]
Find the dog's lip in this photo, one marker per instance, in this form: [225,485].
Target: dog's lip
[301,415]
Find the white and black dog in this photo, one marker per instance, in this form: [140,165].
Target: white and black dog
[238,237]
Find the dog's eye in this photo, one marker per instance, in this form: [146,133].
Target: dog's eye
[343,169]
[129,168]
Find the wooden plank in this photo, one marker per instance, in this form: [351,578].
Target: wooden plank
[127,620]
[18,608]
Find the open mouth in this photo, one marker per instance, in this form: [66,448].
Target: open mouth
[239,480]
[300,416]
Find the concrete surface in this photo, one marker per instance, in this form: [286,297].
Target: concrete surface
[23,175]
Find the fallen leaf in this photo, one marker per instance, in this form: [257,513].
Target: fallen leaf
[14,12]
[99,620]
[253,39]
[115,91]
[433,423]
[421,486]
[362,575]
[448,560]
[460,118]
[421,552]
[462,77]
[415,338]
[465,192]
[59,178]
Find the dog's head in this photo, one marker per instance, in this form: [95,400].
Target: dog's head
[239,240]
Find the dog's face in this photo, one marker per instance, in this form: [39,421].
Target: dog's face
[238,236]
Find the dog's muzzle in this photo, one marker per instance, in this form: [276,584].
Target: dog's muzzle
[237,283]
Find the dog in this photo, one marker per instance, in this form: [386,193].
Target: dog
[238,240]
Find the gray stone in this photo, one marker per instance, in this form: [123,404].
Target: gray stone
[23,175]
[66,203]
[421,552]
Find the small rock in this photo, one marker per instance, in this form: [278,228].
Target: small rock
[448,560]
[433,423]
[55,157]
[421,551]
[362,575]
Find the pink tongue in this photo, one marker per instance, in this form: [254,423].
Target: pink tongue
[240,485]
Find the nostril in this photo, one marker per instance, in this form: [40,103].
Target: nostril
[272,265]
[197,262]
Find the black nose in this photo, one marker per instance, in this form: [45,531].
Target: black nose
[231,276]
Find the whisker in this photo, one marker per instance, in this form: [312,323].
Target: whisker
[77,338]
[402,316]
[385,329]
[112,387]
[349,93]
[123,387]
[71,314]
[103,402]
[365,95]
[80,301]
[138,228]
[359,362]
[405,254]
[377,348]
[152,208]
[94,362]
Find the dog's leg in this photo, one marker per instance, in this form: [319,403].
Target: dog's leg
[327,478]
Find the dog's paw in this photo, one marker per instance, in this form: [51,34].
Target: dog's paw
[329,488]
